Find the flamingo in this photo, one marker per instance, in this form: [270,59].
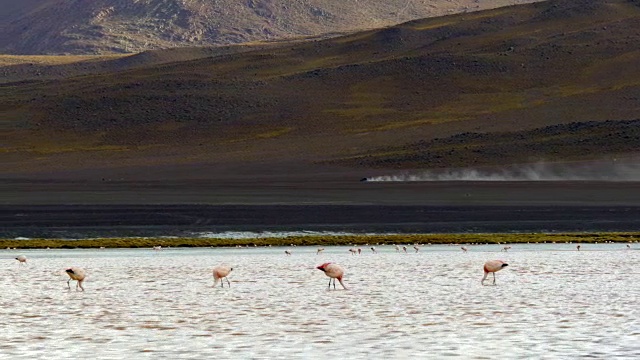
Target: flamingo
[353,251]
[22,259]
[464,249]
[628,247]
[220,273]
[76,273]
[404,248]
[287,252]
[157,248]
[506,248]
[492,266]
[373,249]
[578,247]
[333,271]
[397,248]
[417,248]
[359,251]
[319,251]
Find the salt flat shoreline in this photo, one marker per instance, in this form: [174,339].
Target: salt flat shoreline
[343,240]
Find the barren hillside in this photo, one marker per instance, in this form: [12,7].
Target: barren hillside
[128,26]
[550,81]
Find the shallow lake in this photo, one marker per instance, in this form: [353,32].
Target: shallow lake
[551,302]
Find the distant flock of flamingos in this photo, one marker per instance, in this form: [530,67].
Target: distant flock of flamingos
[332,270]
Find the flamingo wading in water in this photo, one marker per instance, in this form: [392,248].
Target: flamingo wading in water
[78,274]
[22,259]
[333,271]
[220,273]
[492,266]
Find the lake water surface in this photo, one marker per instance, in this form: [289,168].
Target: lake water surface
[552,302]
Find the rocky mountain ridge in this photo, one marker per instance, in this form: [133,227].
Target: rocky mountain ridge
[130,26]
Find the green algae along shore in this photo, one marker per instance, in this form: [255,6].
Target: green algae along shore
[341,240]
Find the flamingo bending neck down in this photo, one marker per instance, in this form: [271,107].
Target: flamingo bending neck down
[333,271]
[78,274]
[22,259]
[492,266]
[220,273]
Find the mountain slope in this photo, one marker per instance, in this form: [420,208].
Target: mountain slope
[364,96]
[126,26]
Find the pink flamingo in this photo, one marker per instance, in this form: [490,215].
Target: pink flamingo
[464,249]
[333,271]
[78,274]
[287,252]
[22,259]
[492,266]
[220,273]
[578,247]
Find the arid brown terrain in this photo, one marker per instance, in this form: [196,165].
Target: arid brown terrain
[304,121]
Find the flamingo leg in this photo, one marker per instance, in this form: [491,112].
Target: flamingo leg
[494,278]
[228,283]
[329,283]
[69,286]
[484,278]
[79,284]
[341,283]
[334,284]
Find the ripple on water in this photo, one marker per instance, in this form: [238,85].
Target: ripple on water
[431,303]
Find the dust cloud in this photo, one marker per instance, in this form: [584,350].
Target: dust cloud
[604,170]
